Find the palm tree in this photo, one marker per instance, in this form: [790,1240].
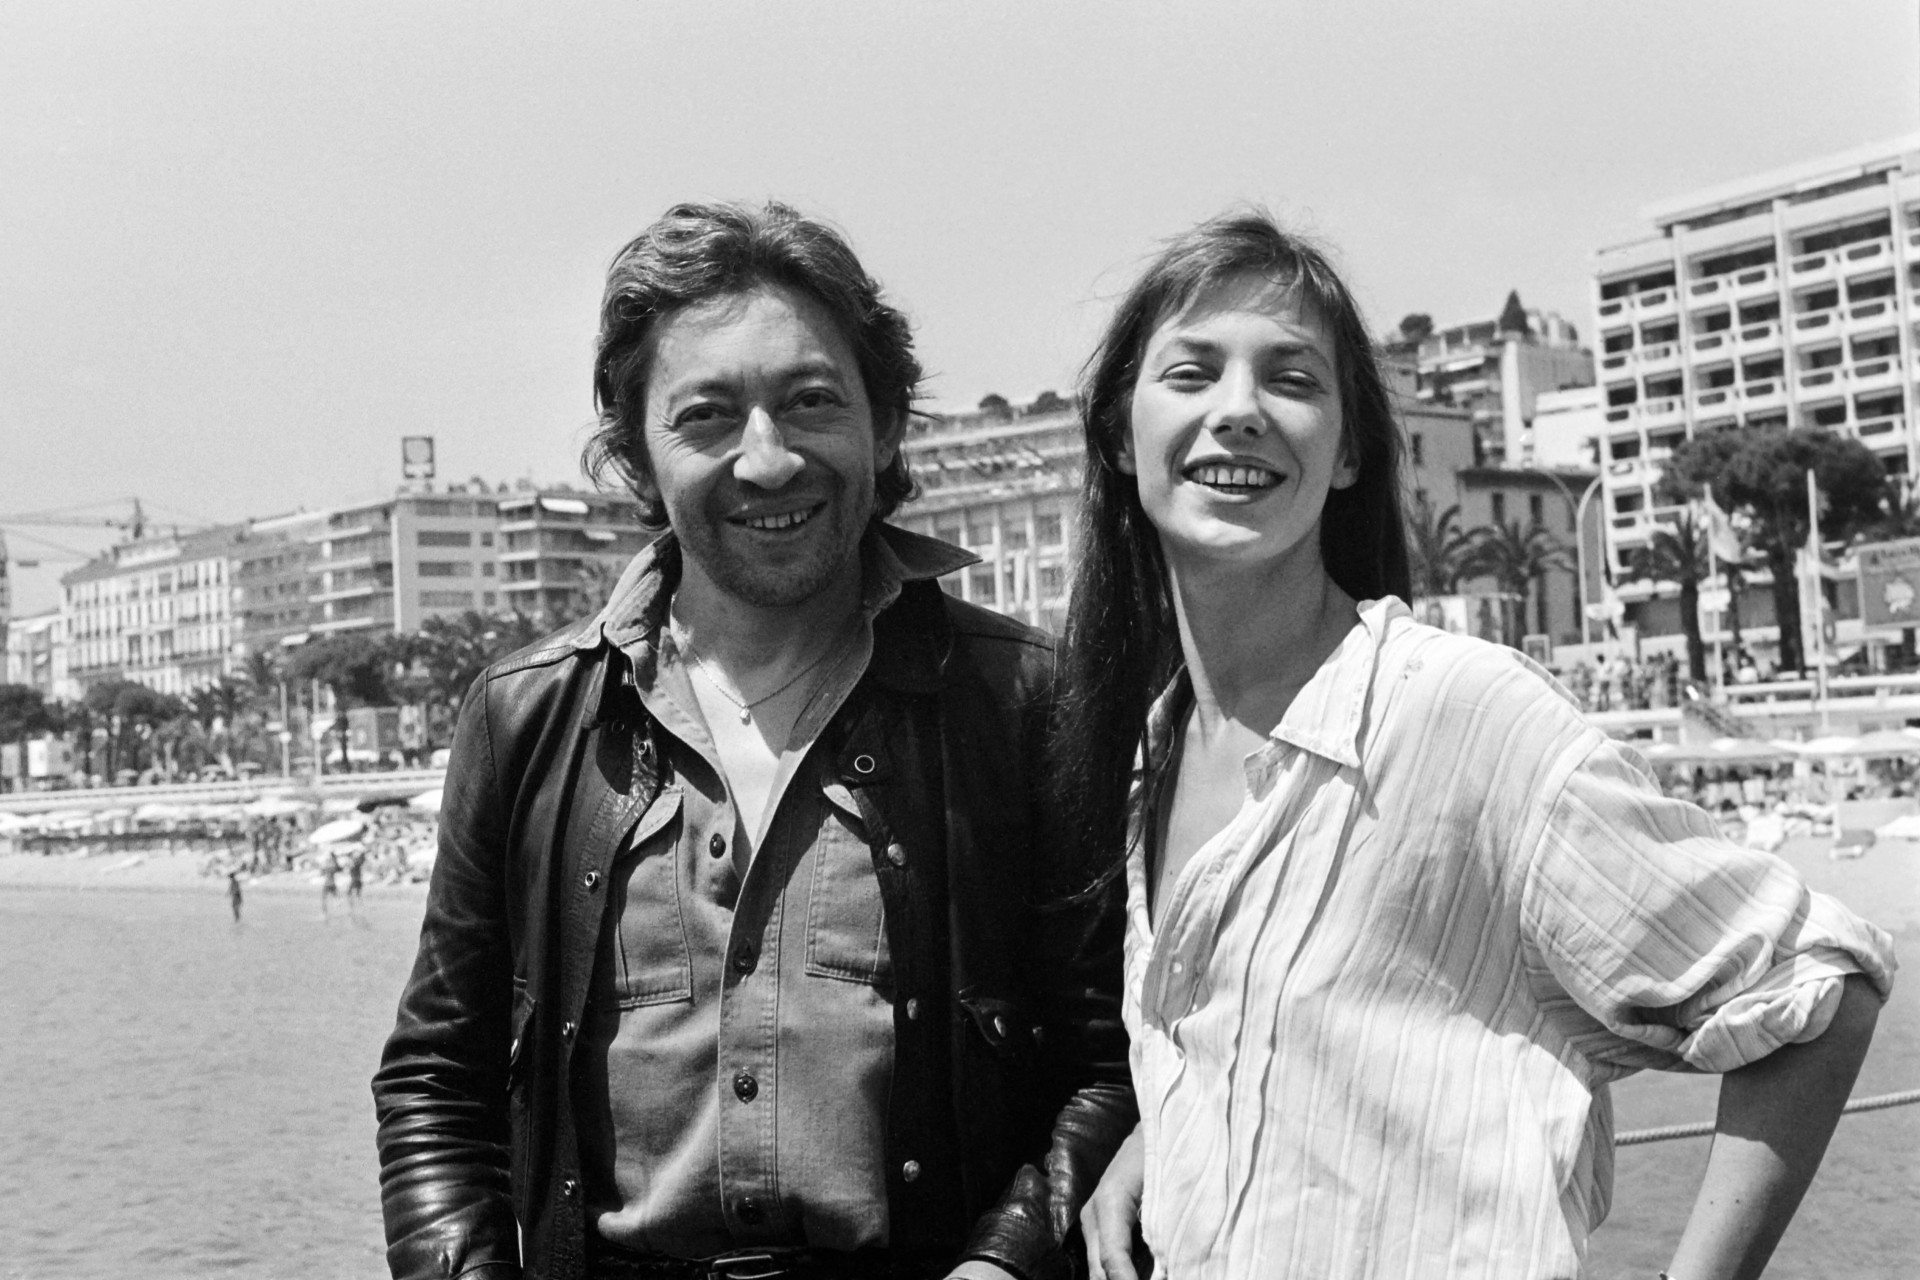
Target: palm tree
[1518,561]
[1678,553]
[1439,549]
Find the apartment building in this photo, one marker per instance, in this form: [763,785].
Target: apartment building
[273,580]
[157,611]
[1439,438]
[392,564]
[560,550]
[1781,300]
[32,645]
[1497,368]
[1003,481]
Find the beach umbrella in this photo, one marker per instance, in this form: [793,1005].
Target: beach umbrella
[426,801]
[1830,747]
[276,806]
[1885,744]
[160,811]
[338,830]
[13,822]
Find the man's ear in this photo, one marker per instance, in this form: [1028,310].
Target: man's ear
[886,441]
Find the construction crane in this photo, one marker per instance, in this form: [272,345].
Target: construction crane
[133,525]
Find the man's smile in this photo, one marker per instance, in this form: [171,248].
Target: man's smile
[779,520]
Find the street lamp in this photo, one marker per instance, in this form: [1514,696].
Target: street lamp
[1579,539]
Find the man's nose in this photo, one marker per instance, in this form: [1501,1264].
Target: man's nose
[1236,408]
[765,461]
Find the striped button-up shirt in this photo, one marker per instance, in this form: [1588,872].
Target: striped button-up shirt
[1375,1018]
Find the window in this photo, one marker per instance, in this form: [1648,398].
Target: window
[1499,508]
[487,598]
[445,538]
[1053,580]
[1759,312]
[947,532]
[1720,375]
[1874,348]
[1417,443]
[1015,537]
[1629,500]
[1536,509]
[1828,415]
[1614,343]
[980,533]
[1877,287]
[486,568]
[1046,530]
[446,569]
[446,599]
[486,539]
[1654,335]
[980,583]
[1713,321]
[1625,448]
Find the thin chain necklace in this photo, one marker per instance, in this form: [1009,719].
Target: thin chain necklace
[742,705]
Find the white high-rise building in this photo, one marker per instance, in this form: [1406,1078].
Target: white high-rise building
[1781,300]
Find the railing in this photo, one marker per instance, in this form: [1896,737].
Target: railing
[1872,369]
[1706,288]
[1869,251]
[1753,278]
[1821,377]
[1710,342]
[1760,390]
[1653,299]
[1613,308]
[1880,426]
[338,784]
[1813,320]
[1719,395]
[1755,333]
[1613,362]
[1665,351]
[1870,310]
[1812,262]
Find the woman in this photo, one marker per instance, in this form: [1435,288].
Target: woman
[1397,913]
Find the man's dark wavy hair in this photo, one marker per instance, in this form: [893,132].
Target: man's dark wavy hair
[1122,643]
[700,251]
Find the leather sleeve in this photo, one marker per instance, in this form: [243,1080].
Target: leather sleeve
[441,1089]
[1076,934]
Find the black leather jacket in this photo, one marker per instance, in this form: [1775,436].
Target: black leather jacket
[1010,1087]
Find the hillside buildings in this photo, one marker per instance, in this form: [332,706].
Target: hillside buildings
[158,611]
[559,549]
[1497,368]
[1782,300]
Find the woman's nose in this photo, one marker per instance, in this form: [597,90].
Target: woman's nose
[765,461]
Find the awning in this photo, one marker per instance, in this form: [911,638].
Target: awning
[564,506]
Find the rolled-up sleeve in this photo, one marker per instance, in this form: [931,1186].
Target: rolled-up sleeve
[1673,938]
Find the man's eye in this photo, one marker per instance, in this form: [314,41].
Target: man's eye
[700,415]
[815,398]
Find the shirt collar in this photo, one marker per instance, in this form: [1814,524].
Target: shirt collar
[637,607]
[1328,715]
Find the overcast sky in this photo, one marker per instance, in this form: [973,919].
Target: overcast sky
[245,246]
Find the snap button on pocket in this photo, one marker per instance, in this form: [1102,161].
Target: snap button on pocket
[745,1087]
[717,845]
[913,1009]
[910,1171]
[896,855]
[591,880]
[863,763]
[569,1188]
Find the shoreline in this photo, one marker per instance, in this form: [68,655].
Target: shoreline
[156,871]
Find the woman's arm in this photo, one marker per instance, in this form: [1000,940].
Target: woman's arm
[1774,1120]
[1111,1219]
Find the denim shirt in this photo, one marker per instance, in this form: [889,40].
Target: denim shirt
[739,1040]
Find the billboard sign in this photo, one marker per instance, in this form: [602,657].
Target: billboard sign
[416,457]
[1890,583]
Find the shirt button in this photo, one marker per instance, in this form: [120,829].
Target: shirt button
[1178,967]
[591,880]
[1000,1026]
[745,1087]
[748,1210]
[717,845]
[910,1171]
[567,1030]
[913,1009]
[743,958]
[569,1188]
[896,855]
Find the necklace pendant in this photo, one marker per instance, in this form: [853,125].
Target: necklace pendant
[746,715]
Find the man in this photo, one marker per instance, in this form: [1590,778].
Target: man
[748,950]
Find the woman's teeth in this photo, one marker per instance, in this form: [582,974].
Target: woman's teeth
[1234,477]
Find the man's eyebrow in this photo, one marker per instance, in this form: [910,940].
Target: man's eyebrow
[798,371]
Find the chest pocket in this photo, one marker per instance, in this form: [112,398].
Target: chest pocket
[846,923]
[655,962]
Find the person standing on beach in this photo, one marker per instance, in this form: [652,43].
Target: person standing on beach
[356,867]
[234,896]
[750,947]
[329,887]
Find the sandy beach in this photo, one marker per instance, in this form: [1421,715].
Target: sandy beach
[157,869]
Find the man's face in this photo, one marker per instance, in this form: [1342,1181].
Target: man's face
[761,444]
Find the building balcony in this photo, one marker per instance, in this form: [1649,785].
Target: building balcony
[1868,253]
[1758,335]
[1893,426]
[330,625]
[345,564]
[1658,413]
[1713,400]
[1711,287]
[1754,280]
[1875,313]
[1812,268]
[1655,302]
[1821,379]
[1612,307]
[1615,362]
[520,525]
[1766,394]
[1708,343]
[1816,324]
[1655,358]
[1875,375]
[351,591]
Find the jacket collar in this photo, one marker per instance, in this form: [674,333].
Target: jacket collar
[911,639]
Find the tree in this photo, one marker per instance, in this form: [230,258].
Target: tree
[133,713]
[1763,475]
[1439,547]
[1416,328]
[354,669]
[1518,560]
[1678,553]
[23,713]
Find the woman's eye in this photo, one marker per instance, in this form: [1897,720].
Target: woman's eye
[1187,375]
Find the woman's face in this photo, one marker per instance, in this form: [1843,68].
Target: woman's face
[1235,437]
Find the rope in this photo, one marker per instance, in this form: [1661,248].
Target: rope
[1701,1130]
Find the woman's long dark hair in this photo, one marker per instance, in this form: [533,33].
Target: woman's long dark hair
[1122,644]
